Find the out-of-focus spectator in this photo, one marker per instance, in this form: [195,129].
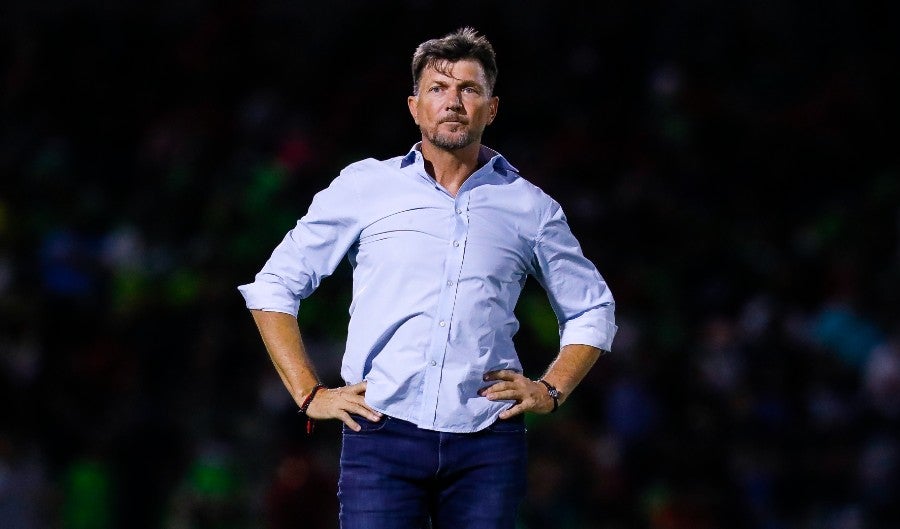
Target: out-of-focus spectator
[729,167]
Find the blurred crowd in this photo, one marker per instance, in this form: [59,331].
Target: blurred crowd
[727,166]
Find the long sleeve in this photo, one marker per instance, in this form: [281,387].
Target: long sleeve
[435,282]
[578,294]
[310,252]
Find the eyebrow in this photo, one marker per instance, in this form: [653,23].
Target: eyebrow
[461,82]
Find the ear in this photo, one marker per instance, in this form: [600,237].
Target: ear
[492,108]
[413,103]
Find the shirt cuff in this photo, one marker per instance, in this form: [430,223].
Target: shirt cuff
[269,297]
[599,336]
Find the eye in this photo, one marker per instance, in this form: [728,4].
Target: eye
[470,90]
[434,89]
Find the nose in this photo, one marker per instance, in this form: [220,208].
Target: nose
[454,100]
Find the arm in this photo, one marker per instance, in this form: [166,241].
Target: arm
[281,336]
[585,309]
[307,254]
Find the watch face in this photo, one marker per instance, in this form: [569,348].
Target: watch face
[554,393]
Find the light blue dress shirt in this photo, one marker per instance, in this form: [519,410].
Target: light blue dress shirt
[435,281]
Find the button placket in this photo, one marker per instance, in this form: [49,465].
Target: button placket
[441,331]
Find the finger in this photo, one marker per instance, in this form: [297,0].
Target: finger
[512,412]
[360,400]
[501,374]
[497,386]
[365,411]
[509,394]
[348,420]
[359,388]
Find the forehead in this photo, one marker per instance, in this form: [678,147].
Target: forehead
[463,70]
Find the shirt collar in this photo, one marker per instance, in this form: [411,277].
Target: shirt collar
[486,155]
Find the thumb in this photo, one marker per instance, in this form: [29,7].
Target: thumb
[359,388]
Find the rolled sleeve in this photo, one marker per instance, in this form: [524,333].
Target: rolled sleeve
[579,295]
[592,331]
[269,293]
[308,253]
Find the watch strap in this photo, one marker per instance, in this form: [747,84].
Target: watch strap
[553,392]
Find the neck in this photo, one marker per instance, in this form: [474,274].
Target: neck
[450,169]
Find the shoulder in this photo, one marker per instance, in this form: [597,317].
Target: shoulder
[370,170]
[543,205]
[532,191]
[372,165]
[367,185]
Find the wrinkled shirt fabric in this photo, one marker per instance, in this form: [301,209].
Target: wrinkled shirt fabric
[435,281]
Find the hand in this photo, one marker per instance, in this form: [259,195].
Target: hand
[528,394]
[339,403]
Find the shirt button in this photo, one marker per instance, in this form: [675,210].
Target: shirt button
[433,363]
[455,243]
[443,323]
[458,211]
[449,283]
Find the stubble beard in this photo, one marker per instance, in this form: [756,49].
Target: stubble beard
[451,141]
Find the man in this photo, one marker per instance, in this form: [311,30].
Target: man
[441,241]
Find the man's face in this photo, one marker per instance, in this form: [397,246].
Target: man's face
[453,108]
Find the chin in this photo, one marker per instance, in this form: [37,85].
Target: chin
[452,143]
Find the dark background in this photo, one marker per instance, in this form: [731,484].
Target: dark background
[731,168]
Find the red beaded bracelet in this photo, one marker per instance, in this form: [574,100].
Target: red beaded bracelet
[310,424]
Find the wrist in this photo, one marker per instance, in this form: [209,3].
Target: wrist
[310,424]
[553,393]
[307,395]
[307,400]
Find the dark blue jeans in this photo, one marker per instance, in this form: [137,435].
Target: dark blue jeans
[395,475]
